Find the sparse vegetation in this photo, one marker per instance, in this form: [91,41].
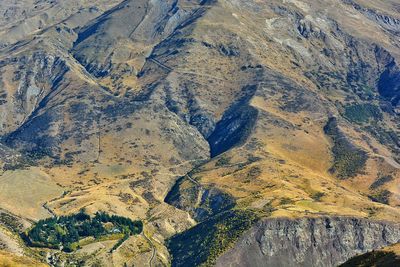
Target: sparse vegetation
[10,222]
[11,260]
[66,232]
[381,196]
[202,244]
[349,160]
[317,196]
[381,181]
[20,163]
[374,258]
[115,100]
[385,136]
[223,161]
[362,113]
[254,172]
[286,201]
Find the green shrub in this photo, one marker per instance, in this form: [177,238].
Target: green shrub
[362,113]
[286,201]
[381,181]
[381,196]
[317,196]
[202,244]
[223,161]
[349,160]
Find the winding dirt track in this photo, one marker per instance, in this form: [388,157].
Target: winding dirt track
[153,248]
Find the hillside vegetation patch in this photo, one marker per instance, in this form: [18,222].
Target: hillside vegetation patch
[381,181]
[374,258]
[349,160]
[70,232]
[362,113]
[202,244]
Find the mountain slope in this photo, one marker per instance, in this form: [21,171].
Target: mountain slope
[186,114]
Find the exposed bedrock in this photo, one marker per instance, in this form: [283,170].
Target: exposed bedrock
[326,241]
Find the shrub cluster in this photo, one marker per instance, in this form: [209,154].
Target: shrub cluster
[349,160]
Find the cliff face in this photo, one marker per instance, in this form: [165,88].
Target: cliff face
[327,241]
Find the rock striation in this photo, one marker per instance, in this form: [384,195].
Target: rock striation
[325,241]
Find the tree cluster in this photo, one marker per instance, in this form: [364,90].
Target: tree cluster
[65,231]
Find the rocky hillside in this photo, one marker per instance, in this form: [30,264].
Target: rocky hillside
[209,120]
[324,241]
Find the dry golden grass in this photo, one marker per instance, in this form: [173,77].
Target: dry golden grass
[25,191]
[10,260]
[292,173]
[394,248]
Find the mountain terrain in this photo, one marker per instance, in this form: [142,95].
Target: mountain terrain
[388,256]
[240,132]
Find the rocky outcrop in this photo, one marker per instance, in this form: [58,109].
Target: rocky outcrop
[327,241]
[35,76]
[145,22]
[200,202]
[386,21]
